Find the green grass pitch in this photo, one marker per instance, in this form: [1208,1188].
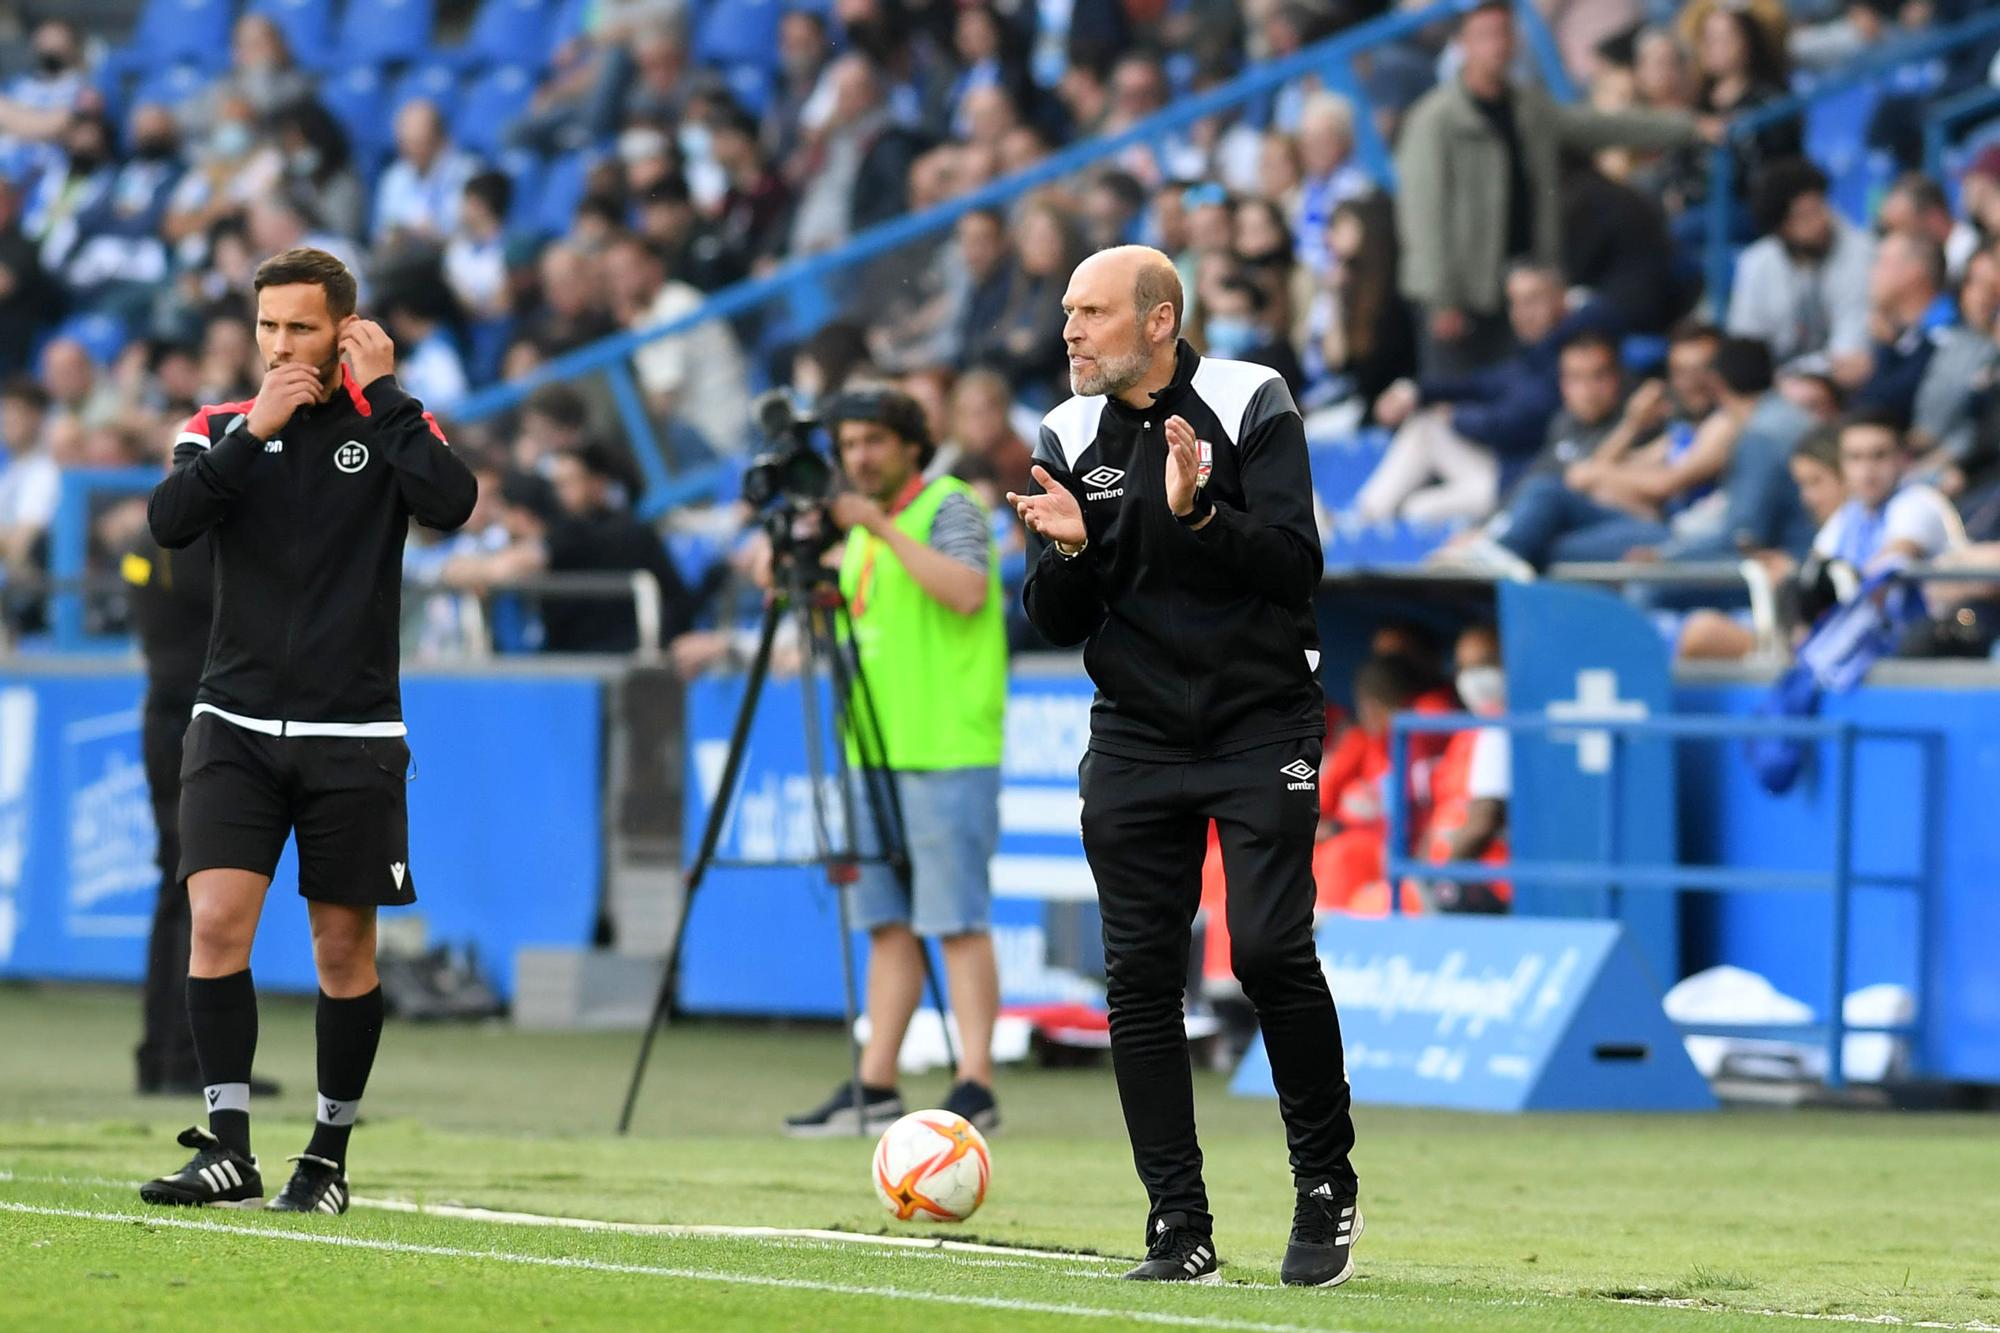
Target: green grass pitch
[1742,1220]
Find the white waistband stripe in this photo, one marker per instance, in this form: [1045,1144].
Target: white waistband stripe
[268,727]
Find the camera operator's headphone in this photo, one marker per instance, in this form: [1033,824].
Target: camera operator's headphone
[890,408]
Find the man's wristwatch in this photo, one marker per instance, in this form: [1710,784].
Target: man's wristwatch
[1067,551]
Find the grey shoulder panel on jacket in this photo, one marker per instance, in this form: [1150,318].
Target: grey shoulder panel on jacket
[1242,394]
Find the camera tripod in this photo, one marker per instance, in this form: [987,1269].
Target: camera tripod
[804,587]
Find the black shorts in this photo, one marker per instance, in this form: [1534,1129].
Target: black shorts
[243,793]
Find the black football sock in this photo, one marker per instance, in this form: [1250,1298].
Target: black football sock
[349,1031]
[222,1014]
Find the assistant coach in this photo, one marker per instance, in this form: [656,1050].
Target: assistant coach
[297,726]
[1175,498]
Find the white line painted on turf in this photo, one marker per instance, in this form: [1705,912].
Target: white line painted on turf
[1884,1320]
[1151,1317]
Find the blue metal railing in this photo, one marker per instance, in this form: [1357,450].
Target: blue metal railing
[1943,120]
[1614,876]
[69,551]
[1330,60]
[1721,163]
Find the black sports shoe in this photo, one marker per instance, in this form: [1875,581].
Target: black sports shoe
[317,1186]
[974,1102]
[1325,1224]
[1178,1253]
[216,1176]
[880,1108]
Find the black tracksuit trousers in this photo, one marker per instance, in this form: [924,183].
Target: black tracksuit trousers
[166,1051]
[1145,832]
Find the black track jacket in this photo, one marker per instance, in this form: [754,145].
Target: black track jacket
[1200,643]
[308,540]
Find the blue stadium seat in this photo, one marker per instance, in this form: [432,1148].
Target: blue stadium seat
[510,32]
[354,97]
[433,82]
[103,336]
[171,85]
[385,32]
[308,27]
[739,32]
[190,31]
[490,105]
[1836,137]
[561,191]
[750,86]
[525,170]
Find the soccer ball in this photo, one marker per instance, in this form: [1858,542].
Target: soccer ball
[933,1166]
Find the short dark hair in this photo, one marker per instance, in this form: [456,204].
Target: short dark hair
[1744,365]
[892,409]
[1391,681]
[305,265]
[495,189]
[526,490]
[1922,192]
[25,389]
[1242,286]
[1874,418]
[1782,184]
[1692,330]
[560,403]
[1592,339]
[1821,444]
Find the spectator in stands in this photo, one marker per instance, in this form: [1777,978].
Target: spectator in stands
[1594,407]
[75,181]
[1470,785]
[569,526]
[1886,519]
[1616,246]
[853,166]
[230,170]
[1815,469]
[1361,335]
[802,52]
[1742,66]
[31,483]
[829,361]
[1329,175]
[1803,287]
[475,258]
[261,73]
[572,309]
[317,167]
[1029,348]
[649,76]
[1476,161]
[696,376]
[1454,434]
[1264,252]
[1918,206]
[554,418]
[27,297]
[983,271]
[988,62]
[983,437]
[1661,80]
[39,103]
[1111,209]
[1138,90]
[282,221]
[1910,309]
[109,254]
[428,363]
[1241,325]
[231,366]
[1353,827]
[76,391]
[751,216]
[1757,505]
[417,197]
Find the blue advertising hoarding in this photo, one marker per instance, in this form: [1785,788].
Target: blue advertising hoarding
[506,835]
[1497,1014]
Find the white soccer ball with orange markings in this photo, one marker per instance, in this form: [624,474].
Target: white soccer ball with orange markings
[932,1166]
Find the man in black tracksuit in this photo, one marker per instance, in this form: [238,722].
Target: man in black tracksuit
[307,493]
[1175,497]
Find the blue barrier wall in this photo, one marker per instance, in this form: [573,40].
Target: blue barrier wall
[506,834]
[1727,818]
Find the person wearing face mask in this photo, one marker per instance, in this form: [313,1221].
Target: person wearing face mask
[1238,327]
[38,103]
[111,256]
[228,173]
[1470,785]
[317,167]
[64,193]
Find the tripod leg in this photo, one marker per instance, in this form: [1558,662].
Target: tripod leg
[879,789]
[711,834]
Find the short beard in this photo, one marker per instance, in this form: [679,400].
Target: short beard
[1111,376]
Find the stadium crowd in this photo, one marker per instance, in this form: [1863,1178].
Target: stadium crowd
[1517,340]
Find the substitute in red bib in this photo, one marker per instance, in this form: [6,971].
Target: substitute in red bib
[306,492]
[1176,501]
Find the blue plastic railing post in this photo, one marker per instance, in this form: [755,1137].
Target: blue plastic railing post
[638,423]
[1721,207]
[1843,887]
[1399,813]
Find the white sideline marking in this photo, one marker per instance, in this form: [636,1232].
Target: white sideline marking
[1886,1320]
[926,1244]
[679,1274]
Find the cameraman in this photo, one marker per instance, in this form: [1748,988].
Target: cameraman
[922,587]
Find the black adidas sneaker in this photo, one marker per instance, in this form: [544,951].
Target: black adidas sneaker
[1178,1253]
[1325,1224]
[880,1108]
[317,1186]
[216,1176]
[975,1102]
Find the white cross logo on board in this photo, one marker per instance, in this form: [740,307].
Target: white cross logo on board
[1596,701]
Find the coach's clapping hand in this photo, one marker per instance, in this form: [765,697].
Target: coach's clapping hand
[286,388]
[369,352]
[1054,515]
